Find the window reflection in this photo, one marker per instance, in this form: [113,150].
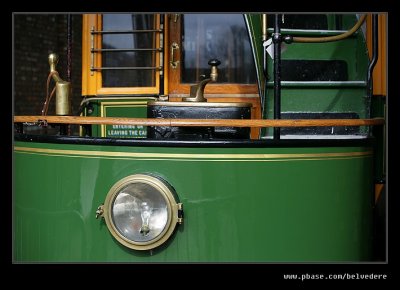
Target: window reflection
[128,78]
[221,36]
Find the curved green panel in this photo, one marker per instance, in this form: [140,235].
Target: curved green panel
[254,29]
[240,204]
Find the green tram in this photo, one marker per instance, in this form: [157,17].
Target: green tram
[208,138]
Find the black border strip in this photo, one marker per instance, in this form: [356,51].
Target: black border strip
[185,143]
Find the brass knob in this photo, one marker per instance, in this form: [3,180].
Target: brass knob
[214,72]
[53,60]
[214,62]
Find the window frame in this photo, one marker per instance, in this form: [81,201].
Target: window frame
[217,92]
[92,83]
[178,89]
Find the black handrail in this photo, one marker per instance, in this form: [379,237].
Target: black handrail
[277,75]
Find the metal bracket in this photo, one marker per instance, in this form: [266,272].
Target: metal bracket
[99,211]
[180,213]
[174,63]
[91,50]
[42,123]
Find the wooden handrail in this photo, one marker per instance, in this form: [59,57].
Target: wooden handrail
[198,122]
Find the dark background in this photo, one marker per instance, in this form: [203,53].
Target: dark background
[35,37]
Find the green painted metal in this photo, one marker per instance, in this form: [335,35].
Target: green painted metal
[119,107]
[348,50]
[378,108]
[236,209]
[317,98]
[320,100]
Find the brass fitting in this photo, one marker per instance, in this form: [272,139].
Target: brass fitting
[63,89]
[197,91]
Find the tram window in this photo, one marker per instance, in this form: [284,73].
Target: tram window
[126,40]
[221,36]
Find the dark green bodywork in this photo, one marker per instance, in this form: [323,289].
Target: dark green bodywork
[378,106]
[237,208]
[245,204]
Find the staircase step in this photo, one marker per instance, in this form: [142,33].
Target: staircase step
[309,32]
[320,84]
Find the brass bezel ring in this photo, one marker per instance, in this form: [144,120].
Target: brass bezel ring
[172,210]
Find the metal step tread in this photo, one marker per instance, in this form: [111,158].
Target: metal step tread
[310,32]
[357,84]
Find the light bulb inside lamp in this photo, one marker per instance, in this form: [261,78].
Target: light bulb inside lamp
[145,213]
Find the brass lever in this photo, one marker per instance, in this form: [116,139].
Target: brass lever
[174,63]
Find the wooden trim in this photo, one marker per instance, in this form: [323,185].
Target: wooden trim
[175,85]
[174,34]
[88,80]
[379,73]
[92,81]
[378,191]
[199,122]
[166,53]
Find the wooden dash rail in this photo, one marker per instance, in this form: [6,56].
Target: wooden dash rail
[198,122]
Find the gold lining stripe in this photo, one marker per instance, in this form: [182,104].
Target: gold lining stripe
[194,160]
[180,156]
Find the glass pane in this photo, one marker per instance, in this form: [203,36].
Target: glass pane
[221,36]
[128,78]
